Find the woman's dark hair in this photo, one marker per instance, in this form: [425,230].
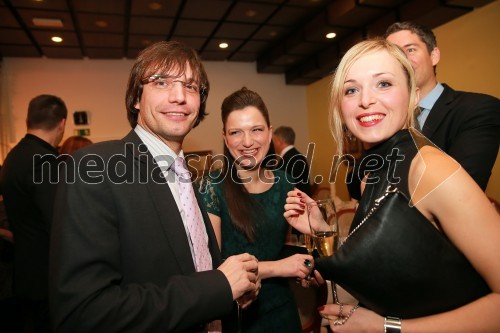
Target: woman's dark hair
[74,143]
[159,58]
[241,206]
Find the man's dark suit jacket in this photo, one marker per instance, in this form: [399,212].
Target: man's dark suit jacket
[29,198]
[120,257]
[295,164]
[467,127]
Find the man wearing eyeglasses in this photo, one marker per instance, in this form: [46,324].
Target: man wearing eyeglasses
[125,256]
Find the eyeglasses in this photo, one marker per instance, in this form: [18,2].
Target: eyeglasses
[164,82]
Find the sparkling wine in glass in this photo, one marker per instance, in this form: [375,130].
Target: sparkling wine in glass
[309,243]
[324,226]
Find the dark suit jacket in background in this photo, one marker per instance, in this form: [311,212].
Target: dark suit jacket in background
[29,200]
[295,164]
[467,127]
[120,258]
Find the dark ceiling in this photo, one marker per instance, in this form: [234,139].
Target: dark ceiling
[280,36]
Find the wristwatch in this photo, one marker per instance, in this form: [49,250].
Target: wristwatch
[392,325]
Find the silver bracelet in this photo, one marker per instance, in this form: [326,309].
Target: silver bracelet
[392,325]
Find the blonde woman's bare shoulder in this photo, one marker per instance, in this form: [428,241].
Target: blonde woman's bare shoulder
[429,170]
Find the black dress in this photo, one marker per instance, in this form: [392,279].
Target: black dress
[394,261]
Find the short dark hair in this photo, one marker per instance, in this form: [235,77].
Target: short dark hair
[163,57]
[425,34]
[46,112]
[287,134]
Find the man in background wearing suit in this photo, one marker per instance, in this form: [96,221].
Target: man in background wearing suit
[465,125]
[124,255]
[294,163]
[29,197]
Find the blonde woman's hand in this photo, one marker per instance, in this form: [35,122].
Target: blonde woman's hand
[295,210]
[361,320]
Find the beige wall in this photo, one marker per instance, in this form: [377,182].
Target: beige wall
[469,61]
[98,86]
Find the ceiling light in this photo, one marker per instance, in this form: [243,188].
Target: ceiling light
[155,5]
[251,13]
[273,34]
[101,23]
[47,22]
[56,39]
[223,45]
[331,35]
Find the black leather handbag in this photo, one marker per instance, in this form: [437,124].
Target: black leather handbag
[399,264]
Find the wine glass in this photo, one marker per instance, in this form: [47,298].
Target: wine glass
[309,243]
[324,226]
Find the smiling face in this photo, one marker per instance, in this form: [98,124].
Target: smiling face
[247,137]
[169,112]
[375,98]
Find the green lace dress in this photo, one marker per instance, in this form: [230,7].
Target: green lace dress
[275,309]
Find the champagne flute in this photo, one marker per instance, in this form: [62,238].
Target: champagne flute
[324,226]
[309,243]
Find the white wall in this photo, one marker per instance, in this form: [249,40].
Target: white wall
[98,86]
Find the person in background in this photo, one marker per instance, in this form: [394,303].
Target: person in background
[7,309]
[5,232]
[133,249]
[242,203]
[374,94]
[28,186]
[294,163]
[73,143]
[465,125]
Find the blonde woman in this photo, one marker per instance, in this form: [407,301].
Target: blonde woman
[374,96]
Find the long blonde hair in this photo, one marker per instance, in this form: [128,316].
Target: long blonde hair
[338,78]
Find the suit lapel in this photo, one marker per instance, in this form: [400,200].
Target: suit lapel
[438,112]
[168,214]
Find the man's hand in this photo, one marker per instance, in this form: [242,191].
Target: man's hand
[242,274]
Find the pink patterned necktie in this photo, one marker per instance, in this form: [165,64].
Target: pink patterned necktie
[195,227]
[194,220]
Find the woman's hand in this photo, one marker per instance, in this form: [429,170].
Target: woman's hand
[296,266]
[360,320]
[295,210]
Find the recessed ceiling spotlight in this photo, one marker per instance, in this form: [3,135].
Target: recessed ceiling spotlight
[56,39]
[155,5]
[251,13]
[331,35]
[223,45]
[273,34]
[101,23]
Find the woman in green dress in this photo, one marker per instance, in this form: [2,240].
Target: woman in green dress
[245,202]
